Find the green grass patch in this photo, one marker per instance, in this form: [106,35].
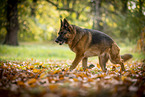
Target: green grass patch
[44,51]
[35,51]
[131,49]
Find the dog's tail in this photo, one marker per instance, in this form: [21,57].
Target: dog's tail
[126,57]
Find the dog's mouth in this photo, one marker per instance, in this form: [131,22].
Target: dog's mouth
[60,41]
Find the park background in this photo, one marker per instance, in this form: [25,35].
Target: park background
[33,65]
[32,25]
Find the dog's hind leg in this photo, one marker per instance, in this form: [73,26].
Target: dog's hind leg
[103,60]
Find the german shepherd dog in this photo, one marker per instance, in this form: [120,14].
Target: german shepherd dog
[87,43]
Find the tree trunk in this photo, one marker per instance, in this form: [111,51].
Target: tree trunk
[33,8]
[141,6]
[124,12]
[12,23]
[124,7]
[96,5]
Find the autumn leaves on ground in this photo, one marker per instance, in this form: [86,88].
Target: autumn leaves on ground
[52,78]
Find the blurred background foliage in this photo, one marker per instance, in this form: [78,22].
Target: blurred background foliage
[39,20]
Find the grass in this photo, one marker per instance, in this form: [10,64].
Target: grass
[44,51]
[35,51]
[137,55]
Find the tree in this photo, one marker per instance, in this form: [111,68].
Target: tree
[96,11]
[76,7]
[37,18]
[33,8]
[12,23]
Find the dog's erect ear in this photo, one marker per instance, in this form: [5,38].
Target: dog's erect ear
[61,22]
[66,24]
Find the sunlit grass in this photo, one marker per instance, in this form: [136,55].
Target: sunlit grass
[131,49]
[45,51]
[35,51]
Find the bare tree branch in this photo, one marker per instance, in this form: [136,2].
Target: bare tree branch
[61,8]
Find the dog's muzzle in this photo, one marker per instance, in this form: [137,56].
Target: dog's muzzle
[60,41]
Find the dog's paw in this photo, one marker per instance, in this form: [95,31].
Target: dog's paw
[91,66]
[71,68]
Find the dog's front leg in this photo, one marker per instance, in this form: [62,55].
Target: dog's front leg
[84,63]
[103,60]
[76,61]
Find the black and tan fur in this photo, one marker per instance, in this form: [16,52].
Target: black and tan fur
[87,43]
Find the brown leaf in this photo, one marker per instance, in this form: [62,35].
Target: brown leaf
[32,80]
[53,87]
[21,83]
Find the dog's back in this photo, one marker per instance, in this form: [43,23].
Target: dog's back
[99,38]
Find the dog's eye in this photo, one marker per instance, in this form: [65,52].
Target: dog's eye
[62,33]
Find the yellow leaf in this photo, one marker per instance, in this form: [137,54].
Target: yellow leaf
[32,85]
[98,65]
[42,75]
[133,72]
[66,69]
[20,83]
[36,70]
[56,71]
[36,63]
[32,80]
[116,70]
[31,67]
[81,69]
[123,77]
[61,77]
[75,79]
[90,80]
[101,75]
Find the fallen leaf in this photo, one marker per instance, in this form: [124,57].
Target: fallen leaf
[42,75]
[75,79]
[32,80]
[21,83]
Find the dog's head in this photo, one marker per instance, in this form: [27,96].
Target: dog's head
[65,32]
